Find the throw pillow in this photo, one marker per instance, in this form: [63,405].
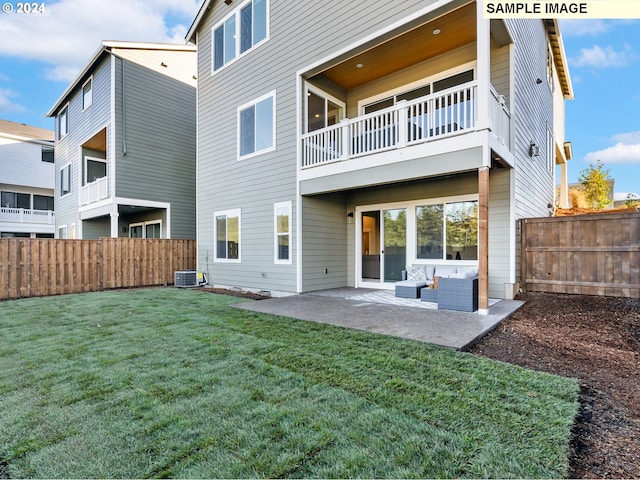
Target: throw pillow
[416,272]
[430,270]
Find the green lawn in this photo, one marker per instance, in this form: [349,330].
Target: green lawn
[175,383]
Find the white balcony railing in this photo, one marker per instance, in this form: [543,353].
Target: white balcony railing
[447,113]
[500,117]
[25,215]
[94,191]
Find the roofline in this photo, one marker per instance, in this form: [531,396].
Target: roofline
[22,138]
[560,57]
[196,22]
[106,46]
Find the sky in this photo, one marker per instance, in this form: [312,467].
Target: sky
[41,54]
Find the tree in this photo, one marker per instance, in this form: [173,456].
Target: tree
[632,200]
[595,181]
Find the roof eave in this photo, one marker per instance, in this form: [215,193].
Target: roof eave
[196,22]
[560,57]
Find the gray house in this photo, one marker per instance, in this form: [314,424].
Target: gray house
[125,144]
[339,141]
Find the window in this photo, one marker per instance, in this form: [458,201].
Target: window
[152,229]
[94,168]
[63,122]
[245,28]
[322,111]
[447,231]
[282,229]
[42,202]
[15,200]
[87,93]
[47,154]
[65,180]
[226,227]
[62,231]
[256,126]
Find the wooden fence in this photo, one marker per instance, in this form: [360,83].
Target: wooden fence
[40,267]
[585,254]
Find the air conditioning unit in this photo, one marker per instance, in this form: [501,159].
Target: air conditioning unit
[189,278]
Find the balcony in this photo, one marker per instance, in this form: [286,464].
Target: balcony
[426,119]
[94,191]
[24,215]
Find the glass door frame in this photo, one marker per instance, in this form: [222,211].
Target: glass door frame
[380,283]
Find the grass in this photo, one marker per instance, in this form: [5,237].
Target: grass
[176,383]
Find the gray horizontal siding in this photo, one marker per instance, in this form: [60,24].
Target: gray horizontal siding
[155,142]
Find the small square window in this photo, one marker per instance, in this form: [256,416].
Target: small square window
[47,154]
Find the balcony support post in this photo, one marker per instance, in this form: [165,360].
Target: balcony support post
[114,220]
[483,46]
[346,137]
[403,122]
[483,240]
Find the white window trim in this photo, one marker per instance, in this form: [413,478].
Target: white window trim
[59,122]
[418,84]
[254,102]
[276,235]
[144,229]
[62,228]
[67,165]
[236,212]
[236,11]
[86,170]
[321,93]
[89,80]
[550,150]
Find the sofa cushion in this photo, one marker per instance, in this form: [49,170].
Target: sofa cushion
[411,283]
[430,271]
[416,272]
[445,271]
[470,270]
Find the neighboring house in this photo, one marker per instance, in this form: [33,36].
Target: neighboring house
[340,141]
[26,181]
[578,198]
[125,144]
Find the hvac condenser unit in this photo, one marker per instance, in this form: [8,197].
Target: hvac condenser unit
[189,278]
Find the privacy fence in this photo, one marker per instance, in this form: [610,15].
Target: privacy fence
[40,267]
[584,254]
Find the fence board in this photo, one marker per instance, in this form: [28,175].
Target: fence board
[39,267]
[589,254]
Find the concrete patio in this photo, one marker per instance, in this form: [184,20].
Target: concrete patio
[379,311]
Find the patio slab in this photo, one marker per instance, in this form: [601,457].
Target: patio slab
[368,310]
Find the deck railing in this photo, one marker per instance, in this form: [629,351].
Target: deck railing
[26,215]
[94,191]
[446,113]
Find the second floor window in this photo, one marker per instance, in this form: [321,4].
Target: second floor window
[256,126]
[47,154]
[65,180]
[87,94]
[63,122]
[246,27]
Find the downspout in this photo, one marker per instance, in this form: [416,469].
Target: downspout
[123,103]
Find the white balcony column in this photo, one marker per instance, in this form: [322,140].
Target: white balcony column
[403,122]
[114,220]
[483,69]
[564,187]
[346,138]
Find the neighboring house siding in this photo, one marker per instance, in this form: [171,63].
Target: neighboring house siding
[83,124]
[532,112]
[155,154]
[21,164]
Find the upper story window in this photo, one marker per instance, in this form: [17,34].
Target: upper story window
[65,180]
[256,126]
[63,122]
[47,154]
[87,93]
[239,32]
[16,200]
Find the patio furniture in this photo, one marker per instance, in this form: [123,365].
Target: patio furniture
[458,294]
[429,294]
[409,288]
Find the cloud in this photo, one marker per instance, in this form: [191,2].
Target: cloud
[590,27]
[7,105]
[625,195]
[599,57]
[626,150]
[70,31]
